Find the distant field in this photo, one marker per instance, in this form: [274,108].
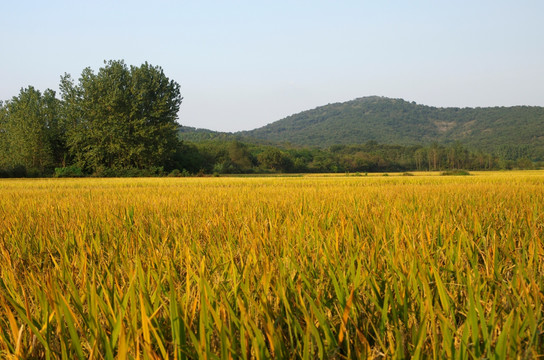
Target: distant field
[284,267]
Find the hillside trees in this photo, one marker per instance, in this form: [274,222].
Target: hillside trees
[121,117]
[514,132]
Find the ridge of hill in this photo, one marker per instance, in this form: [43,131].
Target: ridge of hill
[396,121]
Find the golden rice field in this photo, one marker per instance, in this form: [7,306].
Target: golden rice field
[392,267]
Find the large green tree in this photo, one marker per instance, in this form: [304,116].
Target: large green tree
[3,135]
[30,132]
[121,117]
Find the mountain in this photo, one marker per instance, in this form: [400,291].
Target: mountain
[199,135]
[500,130]
[189,133]
[396,121]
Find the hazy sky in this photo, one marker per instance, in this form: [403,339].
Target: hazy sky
[243,64]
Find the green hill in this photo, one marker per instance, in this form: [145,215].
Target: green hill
[192,134]
[395,121]
[510,132]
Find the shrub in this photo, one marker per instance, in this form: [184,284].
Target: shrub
[177,173]
[455,173]
[174,173]
[129,172]
[17,171]
[68,171]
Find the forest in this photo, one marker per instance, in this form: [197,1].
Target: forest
[121,121]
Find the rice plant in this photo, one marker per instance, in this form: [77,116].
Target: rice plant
[339,267]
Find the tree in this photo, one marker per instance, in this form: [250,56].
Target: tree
[3,136]
[433,155]
[240,157]
[276,159]
[31,136]
[122,117]
[419,156]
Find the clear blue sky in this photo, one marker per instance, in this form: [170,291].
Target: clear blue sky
[243,64]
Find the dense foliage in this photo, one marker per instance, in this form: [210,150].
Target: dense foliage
[31,135]
[121,117]
[235,157]
[512,132]
[116,120]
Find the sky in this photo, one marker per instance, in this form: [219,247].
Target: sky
[244,64]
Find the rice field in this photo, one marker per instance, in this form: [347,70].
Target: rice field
[343,267]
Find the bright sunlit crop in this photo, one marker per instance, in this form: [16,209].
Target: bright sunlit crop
[285,267]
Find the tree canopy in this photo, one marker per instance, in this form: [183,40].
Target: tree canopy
[30,132]
[121,117]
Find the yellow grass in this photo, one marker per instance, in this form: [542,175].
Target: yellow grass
[338,266]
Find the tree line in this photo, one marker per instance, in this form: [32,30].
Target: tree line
[121,121]
[237,157]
